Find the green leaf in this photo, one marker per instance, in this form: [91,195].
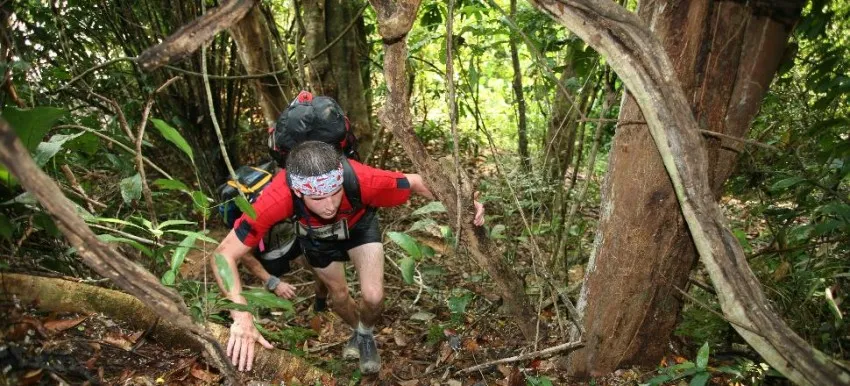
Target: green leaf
[5,227]
[190,233]
[538,381]
[786,183]
[245,207]
[201,202]
[263,298]
[423,224]
[116,221]
[459,301]
[87,143]
[658,380]
[168,223]
[168,277]
[32,124]
[173,136]
[224,272]
[407,266]
[431,207]
[44,221]
[46,150]
[498,232]
[700,379]
[407,243]
[6,178]
[25,198]
[742,238]
[702,356]
[180,252]
[166,184]
[131,188]
[107,238]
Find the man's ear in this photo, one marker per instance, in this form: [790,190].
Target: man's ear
[297,193]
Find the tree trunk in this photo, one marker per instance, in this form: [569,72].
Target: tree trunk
[345,22]
[258,56]
[724,54]
[394,21]
[522,126]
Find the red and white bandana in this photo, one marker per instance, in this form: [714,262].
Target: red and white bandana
[321,185]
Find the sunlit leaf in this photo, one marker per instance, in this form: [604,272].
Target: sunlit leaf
[131,188]
[423,224]
[200,236]
[407,266]
[263,298]
[245,207]
[786,183]
[168,277]
[498,232]
[702,356]
[46,150]
[407,243]
[32,124]
[25,198]
[224,271]
[107,238]
[201,202]
[180,252]
[168,223]
[174,137]
[431,207]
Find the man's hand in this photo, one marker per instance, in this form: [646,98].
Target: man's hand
[243,334]
[479,210]
[285,290]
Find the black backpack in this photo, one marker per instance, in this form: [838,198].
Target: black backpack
[311,118]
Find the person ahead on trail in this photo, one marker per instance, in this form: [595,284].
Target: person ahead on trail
[332,228]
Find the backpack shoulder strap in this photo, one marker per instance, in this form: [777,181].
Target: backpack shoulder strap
[351,184]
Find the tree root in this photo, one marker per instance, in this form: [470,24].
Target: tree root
[60,295]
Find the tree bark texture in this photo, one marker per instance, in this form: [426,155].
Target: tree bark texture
[259,56]
[346,57]
[637,56]
[190,37]
[58,295]
[96,254]
[394,21]
[522,125]
[724,56]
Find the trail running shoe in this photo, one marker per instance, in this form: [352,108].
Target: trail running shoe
[370,361]
[352,348]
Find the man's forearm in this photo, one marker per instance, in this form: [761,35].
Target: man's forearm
[256,268]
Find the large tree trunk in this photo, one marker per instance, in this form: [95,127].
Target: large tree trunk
[725,55]
[333,54]
[253,37]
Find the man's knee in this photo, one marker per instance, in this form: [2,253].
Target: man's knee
[373,297]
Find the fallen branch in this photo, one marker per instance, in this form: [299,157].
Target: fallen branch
[532,355]
[59,295]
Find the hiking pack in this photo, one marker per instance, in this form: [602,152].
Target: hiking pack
[306,118]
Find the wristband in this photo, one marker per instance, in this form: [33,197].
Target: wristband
[272,283]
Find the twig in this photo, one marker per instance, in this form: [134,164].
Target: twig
[127,235]
[536,354]
[140,135]
[703,286]
[211,107]
[450,85]
[119,144]
[72,180]
[122,120]
[73,80]
[88,200]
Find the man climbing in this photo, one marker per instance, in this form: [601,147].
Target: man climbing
[333,225]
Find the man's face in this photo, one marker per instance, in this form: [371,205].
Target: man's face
[324,206]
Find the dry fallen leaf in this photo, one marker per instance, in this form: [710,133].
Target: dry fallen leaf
[199,372]
[412,382]
[399,339]
[54,326]
[118,340]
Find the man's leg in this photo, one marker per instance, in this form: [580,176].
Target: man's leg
[320,287]
[333,277]
[369,261]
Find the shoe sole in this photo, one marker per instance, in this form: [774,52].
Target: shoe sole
[350,353]
[370,367]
